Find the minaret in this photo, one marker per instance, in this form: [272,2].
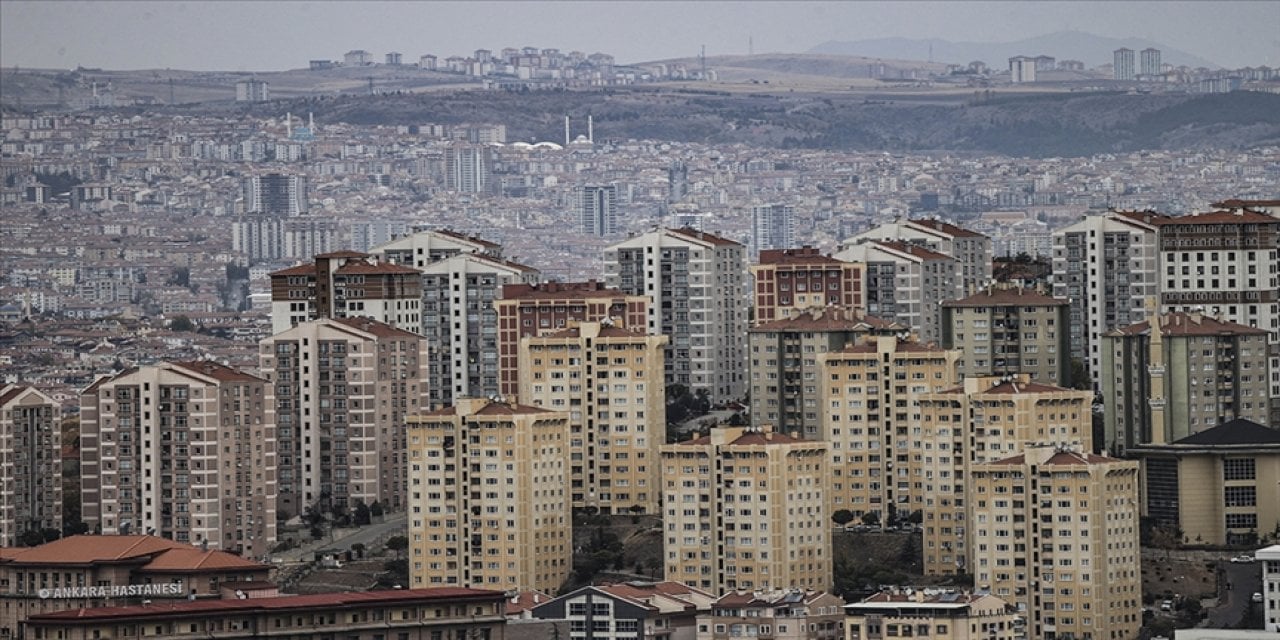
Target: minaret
[566,132]
[1155,369]
[288,124]
[311,122]
[591,131]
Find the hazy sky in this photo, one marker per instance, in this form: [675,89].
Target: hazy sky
[260,36]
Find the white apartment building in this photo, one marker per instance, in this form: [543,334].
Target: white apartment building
[907,283]
[694,281]
[971,250]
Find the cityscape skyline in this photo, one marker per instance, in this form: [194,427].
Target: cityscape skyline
[130,35]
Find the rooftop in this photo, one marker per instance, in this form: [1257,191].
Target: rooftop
[1007,296]
[559,291]
[803,255]
[913,250]
[828,320]
[1234,432]
[702,236]
[1189,324]
[947,228]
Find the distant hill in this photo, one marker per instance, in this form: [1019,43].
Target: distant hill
[1088,48]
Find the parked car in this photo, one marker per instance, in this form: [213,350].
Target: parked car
[1257,597]
[1167,605]
[1243,558]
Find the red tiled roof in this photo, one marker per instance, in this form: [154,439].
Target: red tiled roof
[505,409]
[827,320]
[559,291]
[947,228]
[1237,203]
[380,329]
[11,393]
[1188,324]
[526,600]
[87,549]
[282,603]
[607,331]
[476,240]
[185,559]
[217,371]
[1074,458]
[904,346]
[1010,296]
[1014,387]
[1241,216]
[702,236]
[346,253]
[803,255]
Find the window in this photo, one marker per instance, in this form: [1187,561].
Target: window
[1238,469]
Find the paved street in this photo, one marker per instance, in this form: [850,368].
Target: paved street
[1244,580]
[394,524]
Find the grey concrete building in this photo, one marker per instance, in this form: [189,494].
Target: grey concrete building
[1008,330]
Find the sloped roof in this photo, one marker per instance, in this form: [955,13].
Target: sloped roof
[913,250]
[702,236]
[1015,296]
[1189,324]
[1234,432]
[380,329]
[87,549]
[217,371]
[183,559]
[1239,216]
[947,228]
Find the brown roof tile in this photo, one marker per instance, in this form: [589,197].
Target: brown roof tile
[374,269]
[1007,296]
[802,255]
[947,228]
[380,329]
[217,371]
[184,559]
[560,291]
[1190,324]
[86,549]
[914,250]
[702,236]
[1241,216]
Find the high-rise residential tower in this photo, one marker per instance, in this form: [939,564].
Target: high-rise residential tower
[907,283]
[31,463]
[791,281]
[1006,330]
[694,282]
[971,250]
[181,450]
[346,284]
[773,226]
[598,209]
[343,387]
[1123,65]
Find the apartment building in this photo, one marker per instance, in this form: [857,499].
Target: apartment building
[467,168]
[746,508]
[791,281]
[783,614]
[597,209]
[460,321]
[907,283]
[346,284]
[31,465]
[1220,486]
[940,615]
[372,615]
[1007,330]
[534,309]
[1188,372]
[694,282]
[867,394]
[182,450]
[1105,266]
[609,381]
[773,227]
[275,194]
[982,420]
[488,497]
[1055,531]
[1228,264]
[342,389]
[971,250]
[633,610]
[426,246]
[784,363]
[1270,559]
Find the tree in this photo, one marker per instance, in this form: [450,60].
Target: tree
[181,323]
[1167,537]
[362,514]
[398,544]
[842,517]
[871,518]
[375,509]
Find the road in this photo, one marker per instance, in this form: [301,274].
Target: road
[1239,583]
[394,524]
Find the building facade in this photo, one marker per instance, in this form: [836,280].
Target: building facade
[1105,267]
[983,420]
[867,392]
[936,615]
[1055,531]
[785,375]
[633,610]
[278,195]
[784,614]
[1220,486]
[373,615]
[342,388]
[156,458]
[907,283]
[773,226]
[746,508]
[1181,376]
[598,209]
[1270,559]
[31,463]
[87,571]
[971,250]
[428,246]
[694,282]
[467,168]
[526,310]
[346,284]
[790,281]
[488,497]
[1123,65]
[609,381]
[1007,330]
[1149,62]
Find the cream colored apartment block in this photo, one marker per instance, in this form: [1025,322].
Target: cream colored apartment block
[184,451]
[488,497]
[869,414]
[907,613]
[983,420]
[746,508]
[1056,532]
[609,381]
[343,387]
[30,462]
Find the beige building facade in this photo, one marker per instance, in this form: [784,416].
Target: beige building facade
[869,414]
[904,613]
[488,497]
[608,379]
[30,463]
[983,420]
[746,508]
[342,389]
[1220,486]
[1055,531]
[1007,330]
[181,450]
[782,614]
